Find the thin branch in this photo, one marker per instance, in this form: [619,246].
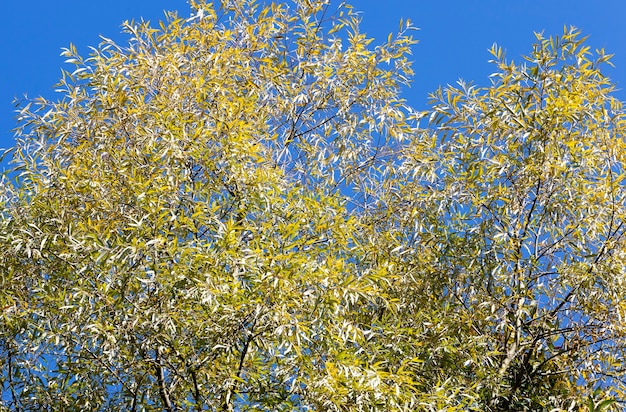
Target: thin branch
[161,380]
[10,376]
[244,351]
[196,391]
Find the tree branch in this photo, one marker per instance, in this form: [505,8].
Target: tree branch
[161,380]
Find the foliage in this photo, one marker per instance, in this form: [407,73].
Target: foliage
[237,211]
[178,239]
[514,200]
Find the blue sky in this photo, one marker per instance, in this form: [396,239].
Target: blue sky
[454,37]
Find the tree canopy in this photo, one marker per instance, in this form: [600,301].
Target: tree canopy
[239,211]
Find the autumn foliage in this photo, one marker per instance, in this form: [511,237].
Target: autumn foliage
[237,210]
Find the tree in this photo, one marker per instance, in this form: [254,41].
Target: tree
[513,201]
[177,237]
[238,211]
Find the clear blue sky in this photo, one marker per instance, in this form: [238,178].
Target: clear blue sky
[454,36]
